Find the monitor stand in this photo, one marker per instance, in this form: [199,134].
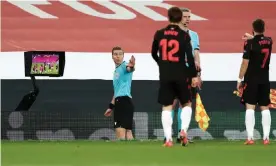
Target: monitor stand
[29,99]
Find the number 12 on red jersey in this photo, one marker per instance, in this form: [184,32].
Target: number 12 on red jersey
[169,55]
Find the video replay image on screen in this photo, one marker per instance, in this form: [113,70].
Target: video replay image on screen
[44,63]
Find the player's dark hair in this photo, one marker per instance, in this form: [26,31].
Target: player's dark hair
[116,48]
[174,15]
[258,26]
[185,10]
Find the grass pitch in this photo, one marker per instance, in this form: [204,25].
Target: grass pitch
[136,153]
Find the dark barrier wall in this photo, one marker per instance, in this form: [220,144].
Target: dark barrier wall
[95,95]
[71,109]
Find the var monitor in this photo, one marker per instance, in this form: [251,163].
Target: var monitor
[44,63]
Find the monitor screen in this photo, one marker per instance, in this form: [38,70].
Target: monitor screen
[44,63]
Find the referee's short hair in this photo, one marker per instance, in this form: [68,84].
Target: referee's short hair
[175,15]
[259,25]
[116,48]
[185,9]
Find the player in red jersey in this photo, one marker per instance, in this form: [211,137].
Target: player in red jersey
[175,50]
[256,88]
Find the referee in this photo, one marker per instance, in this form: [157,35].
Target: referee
[195,45]
[121,101]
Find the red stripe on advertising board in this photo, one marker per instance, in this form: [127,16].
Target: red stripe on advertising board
[75,31]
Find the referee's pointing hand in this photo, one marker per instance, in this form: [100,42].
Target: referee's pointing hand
[131,62]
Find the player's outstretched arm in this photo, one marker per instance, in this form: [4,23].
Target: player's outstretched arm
[108,112]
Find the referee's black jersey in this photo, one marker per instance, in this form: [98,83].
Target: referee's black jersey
[175,58]
[258,52]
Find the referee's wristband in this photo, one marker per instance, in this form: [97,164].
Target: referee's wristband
[111,106]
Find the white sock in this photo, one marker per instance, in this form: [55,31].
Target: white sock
[266,122]
[186,115]
[250,123]
[167,124]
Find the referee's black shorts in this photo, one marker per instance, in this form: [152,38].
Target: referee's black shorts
[123,112]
